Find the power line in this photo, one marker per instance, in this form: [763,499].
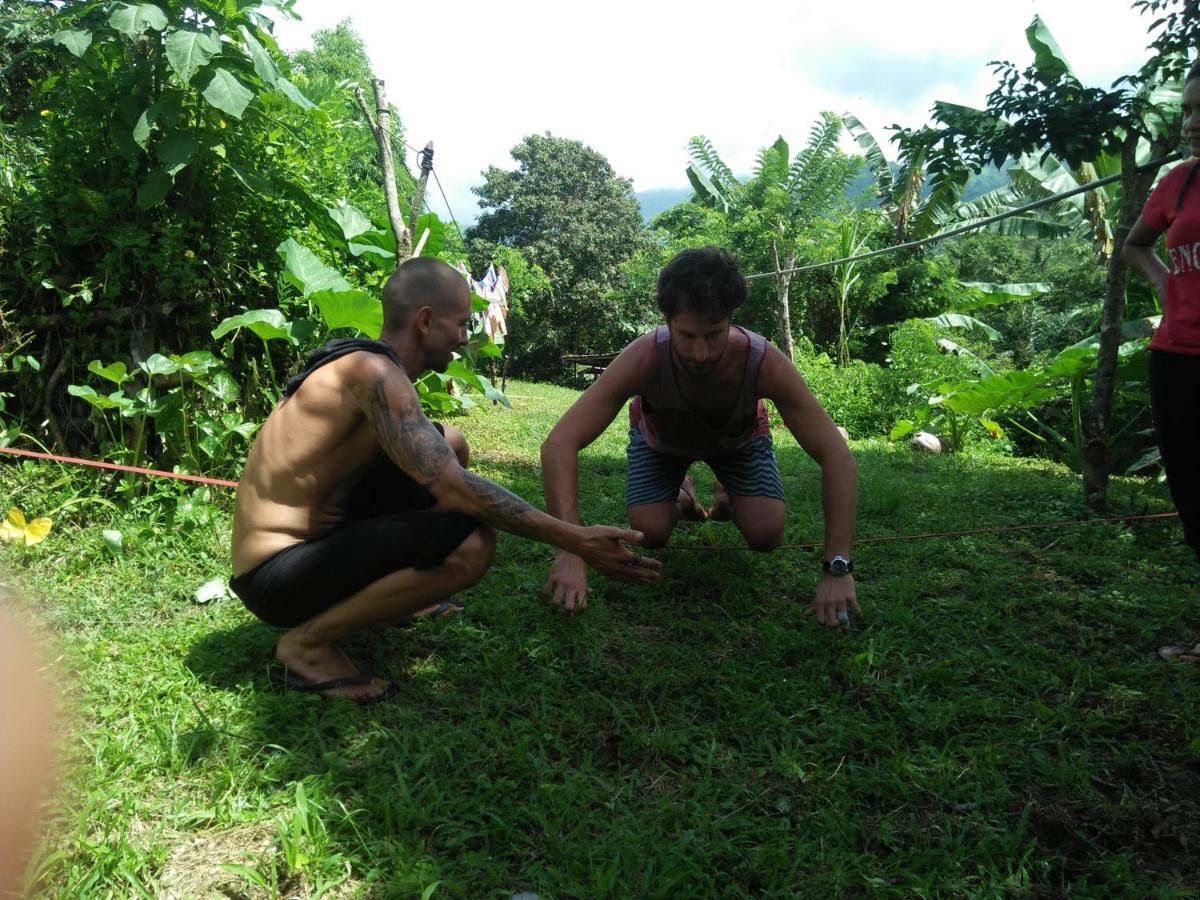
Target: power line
[438,182]
[1028,207]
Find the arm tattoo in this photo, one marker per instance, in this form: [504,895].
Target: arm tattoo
[407,437]
[502,508]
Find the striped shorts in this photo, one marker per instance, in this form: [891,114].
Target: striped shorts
[653,477]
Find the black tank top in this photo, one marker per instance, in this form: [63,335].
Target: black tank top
[336,349]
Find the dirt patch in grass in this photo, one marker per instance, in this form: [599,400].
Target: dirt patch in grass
[194,867]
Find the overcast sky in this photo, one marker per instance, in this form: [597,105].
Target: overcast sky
[635,81]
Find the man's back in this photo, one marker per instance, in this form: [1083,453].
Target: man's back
[305,458]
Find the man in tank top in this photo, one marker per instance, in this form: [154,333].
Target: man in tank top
[698,384]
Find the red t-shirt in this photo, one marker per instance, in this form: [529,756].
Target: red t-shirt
[1179,331]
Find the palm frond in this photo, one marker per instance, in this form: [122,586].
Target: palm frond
[876,161]
[706,158]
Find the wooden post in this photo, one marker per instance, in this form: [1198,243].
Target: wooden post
[380,124]
[419,197]
[782,280]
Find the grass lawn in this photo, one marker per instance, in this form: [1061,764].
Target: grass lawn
[998,725]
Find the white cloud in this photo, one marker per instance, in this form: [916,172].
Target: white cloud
[636,80]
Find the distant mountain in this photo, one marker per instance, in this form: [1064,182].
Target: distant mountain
[656,200]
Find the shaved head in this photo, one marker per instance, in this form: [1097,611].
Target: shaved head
[423,281]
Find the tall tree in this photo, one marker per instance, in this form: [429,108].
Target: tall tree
[1044,108]
[786,194]
[565,207]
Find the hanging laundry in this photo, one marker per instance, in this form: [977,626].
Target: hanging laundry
[494,289]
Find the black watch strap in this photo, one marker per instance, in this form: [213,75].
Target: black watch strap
[844,567]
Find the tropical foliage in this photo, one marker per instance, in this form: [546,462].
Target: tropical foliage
[188,211]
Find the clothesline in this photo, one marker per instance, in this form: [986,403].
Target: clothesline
[971,226]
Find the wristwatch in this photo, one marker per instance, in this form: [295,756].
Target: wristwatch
[838,566]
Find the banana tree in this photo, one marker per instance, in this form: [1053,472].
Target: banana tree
[913,212]
[786,192]
[1045,109]
[845,277]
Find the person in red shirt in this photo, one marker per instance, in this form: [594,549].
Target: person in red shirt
[1174,209]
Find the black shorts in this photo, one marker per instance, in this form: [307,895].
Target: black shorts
[391,525]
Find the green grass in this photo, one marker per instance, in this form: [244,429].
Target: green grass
[997,726]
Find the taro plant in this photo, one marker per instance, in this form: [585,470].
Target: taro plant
[188,403]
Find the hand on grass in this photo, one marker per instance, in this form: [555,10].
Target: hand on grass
[566,585]
[835,601]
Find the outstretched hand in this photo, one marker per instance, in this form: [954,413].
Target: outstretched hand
[603,548]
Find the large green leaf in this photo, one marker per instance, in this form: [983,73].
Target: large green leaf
[189,51]
[176,151]
[101,402]
[264,66]
[307,272]
[157,364]
[359,249]
[114,372]
[267,324]
[142,129]
[958,320]
[1131,330]
[350,219]
[227,93]
[132,20]
[876,161]
[293,93]
[1048,59]
[350,309]
[707,191]
[983,293]
[197,362]
[437,234]
[154,189]
[74,39]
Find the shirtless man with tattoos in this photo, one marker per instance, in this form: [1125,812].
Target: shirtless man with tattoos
[355,511]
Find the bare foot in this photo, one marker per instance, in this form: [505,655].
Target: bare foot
[315,664]
[722,508]
[689,509]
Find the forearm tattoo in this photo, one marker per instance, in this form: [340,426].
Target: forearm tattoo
[407,437]
[501,507]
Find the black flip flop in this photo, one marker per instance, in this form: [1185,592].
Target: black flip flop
[282,678]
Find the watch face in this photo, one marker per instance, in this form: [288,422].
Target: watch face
[837,566]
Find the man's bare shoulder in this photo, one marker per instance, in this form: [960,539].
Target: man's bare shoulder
[637,363]
[363,375]
[779,379]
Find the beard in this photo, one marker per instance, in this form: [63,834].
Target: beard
[699,370]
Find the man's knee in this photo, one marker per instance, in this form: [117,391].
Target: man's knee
[762,540]
[654,540]
[473,557]
[655,527]
[458,443]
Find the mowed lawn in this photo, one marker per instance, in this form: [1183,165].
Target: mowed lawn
[997,725]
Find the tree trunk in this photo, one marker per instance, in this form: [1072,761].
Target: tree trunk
[783,279]
[1135,188]
[843,338]
[381,126]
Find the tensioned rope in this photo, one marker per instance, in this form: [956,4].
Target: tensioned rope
[995,529]
[971,226]
[116,467]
